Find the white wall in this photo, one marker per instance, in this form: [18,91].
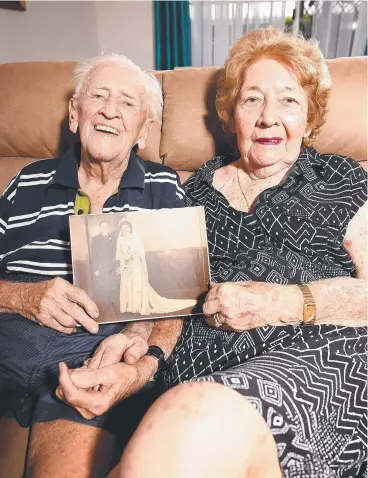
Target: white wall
[127,27]
[73,30]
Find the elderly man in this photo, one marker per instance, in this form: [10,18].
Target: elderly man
[113,108]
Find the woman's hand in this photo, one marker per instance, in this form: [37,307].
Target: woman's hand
[59,305]
[247,305]
[94,392]
[128,344]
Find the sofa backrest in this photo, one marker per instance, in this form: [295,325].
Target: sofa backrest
[34,103]
[192,133]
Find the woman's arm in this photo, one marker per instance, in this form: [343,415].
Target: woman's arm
[339,301]
[343,301]
[355,241]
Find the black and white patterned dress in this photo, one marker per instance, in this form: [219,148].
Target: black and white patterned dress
[308,383]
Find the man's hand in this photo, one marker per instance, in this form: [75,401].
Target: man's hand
[59,305]
[114,382]
[247,305]
[129,344]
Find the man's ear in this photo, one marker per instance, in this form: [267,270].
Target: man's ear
[73,115]
[145,131]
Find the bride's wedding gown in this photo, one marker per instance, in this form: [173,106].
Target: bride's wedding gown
[136,294]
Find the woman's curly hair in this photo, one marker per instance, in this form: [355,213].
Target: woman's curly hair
[303,57]
[125,222]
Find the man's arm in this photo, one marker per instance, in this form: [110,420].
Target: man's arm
[132,344]
[165,334]
[93,392]
[54,303]
[13,296]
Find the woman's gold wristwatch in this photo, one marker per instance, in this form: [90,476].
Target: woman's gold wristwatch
[309,306]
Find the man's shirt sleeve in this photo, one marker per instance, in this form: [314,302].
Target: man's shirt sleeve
[6,202]
[174,194]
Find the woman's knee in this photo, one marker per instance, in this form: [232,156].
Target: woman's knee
[208,407]
[200,423]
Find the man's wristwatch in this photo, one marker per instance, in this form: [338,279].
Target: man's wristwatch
[309,306]
[157,352]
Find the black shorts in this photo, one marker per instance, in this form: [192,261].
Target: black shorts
[29,358]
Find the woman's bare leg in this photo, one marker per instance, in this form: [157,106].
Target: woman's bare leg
[201,430]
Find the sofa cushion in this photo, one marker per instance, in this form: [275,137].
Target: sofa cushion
[34,104]
[184,175]
[192,133]
[345,131]
[34,110]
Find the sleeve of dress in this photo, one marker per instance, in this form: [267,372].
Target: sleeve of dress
[358,181]
[188,187]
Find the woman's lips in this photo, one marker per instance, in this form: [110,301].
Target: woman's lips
[269,141]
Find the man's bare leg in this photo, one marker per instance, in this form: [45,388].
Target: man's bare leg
[64,449]
[13,446]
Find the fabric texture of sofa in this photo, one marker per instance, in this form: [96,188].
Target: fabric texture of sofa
[34,124]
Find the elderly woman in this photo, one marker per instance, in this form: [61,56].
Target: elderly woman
[113,108]
[277,367]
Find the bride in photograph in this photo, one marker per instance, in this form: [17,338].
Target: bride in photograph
[136,293]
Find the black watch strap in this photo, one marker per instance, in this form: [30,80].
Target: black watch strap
[157,352]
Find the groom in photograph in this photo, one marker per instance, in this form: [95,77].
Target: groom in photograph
[103,260]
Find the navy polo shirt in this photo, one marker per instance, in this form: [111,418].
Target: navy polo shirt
[35,209]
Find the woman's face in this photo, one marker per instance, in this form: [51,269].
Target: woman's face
[270,115]
[125,230]
[110,112]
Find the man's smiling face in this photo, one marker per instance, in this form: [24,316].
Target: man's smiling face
[110,112]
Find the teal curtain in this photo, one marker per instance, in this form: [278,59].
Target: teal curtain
[172,34]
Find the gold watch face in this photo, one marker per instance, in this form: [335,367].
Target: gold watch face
[309,313]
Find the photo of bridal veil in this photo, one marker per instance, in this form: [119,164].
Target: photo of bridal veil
[136,293]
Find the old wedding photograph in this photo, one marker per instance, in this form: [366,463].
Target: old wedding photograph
[142,264]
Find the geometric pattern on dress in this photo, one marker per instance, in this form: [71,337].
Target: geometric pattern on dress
[238,381]
[293,235]
[270,392]
[313,399]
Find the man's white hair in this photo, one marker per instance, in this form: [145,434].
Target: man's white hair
[148,80]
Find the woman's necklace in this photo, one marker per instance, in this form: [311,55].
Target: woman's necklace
[240,187]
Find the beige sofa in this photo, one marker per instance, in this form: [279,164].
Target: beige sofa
[33,125]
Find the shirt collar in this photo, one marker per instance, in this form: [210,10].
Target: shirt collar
[309,162]
[134,174]
[207,170]
[67,171]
